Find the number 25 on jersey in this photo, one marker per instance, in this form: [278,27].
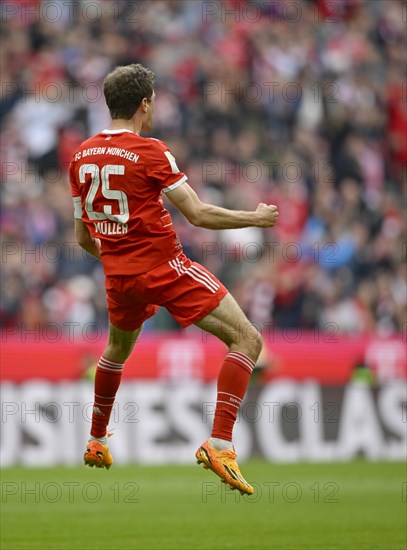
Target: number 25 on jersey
[102,175]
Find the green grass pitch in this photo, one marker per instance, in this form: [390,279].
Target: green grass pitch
[328,506]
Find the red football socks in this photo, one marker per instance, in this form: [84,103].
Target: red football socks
[107,382]
[233,379]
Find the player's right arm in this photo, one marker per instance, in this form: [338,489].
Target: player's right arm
[83,236]
[210,216]
[85,239]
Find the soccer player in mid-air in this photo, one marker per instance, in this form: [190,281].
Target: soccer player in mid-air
[117,179]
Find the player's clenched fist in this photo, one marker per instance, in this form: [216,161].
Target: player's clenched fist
[267,215]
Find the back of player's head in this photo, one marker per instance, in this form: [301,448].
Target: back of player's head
[125,87]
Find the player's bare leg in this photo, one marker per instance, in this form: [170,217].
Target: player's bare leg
[107,382]
[229,323]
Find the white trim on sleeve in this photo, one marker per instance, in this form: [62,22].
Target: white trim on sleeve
[77,208]
[175,185]
[173,164]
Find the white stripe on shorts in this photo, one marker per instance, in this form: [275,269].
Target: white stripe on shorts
[175,266]
[195,273]
[199,275]
[205,276]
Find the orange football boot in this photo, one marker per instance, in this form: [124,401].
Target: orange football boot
[97,454]
[224,465]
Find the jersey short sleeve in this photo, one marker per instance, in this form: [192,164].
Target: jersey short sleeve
[162,167]
[76,196]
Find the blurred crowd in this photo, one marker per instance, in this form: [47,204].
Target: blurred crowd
[302,104]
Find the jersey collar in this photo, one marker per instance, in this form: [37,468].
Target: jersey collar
[106,131]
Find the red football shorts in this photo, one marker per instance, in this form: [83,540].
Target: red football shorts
[185,288]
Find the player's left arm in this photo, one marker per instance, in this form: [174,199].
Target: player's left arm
[210,216]
[163,169]
[85,239]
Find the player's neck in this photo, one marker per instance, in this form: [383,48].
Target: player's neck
[123,124]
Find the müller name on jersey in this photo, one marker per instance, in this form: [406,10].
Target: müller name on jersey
[111,228]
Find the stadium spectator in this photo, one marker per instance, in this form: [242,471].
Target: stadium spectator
[307,112]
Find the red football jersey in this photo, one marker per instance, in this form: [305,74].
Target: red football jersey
[117,178]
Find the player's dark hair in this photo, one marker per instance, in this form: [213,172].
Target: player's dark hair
[125,87]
